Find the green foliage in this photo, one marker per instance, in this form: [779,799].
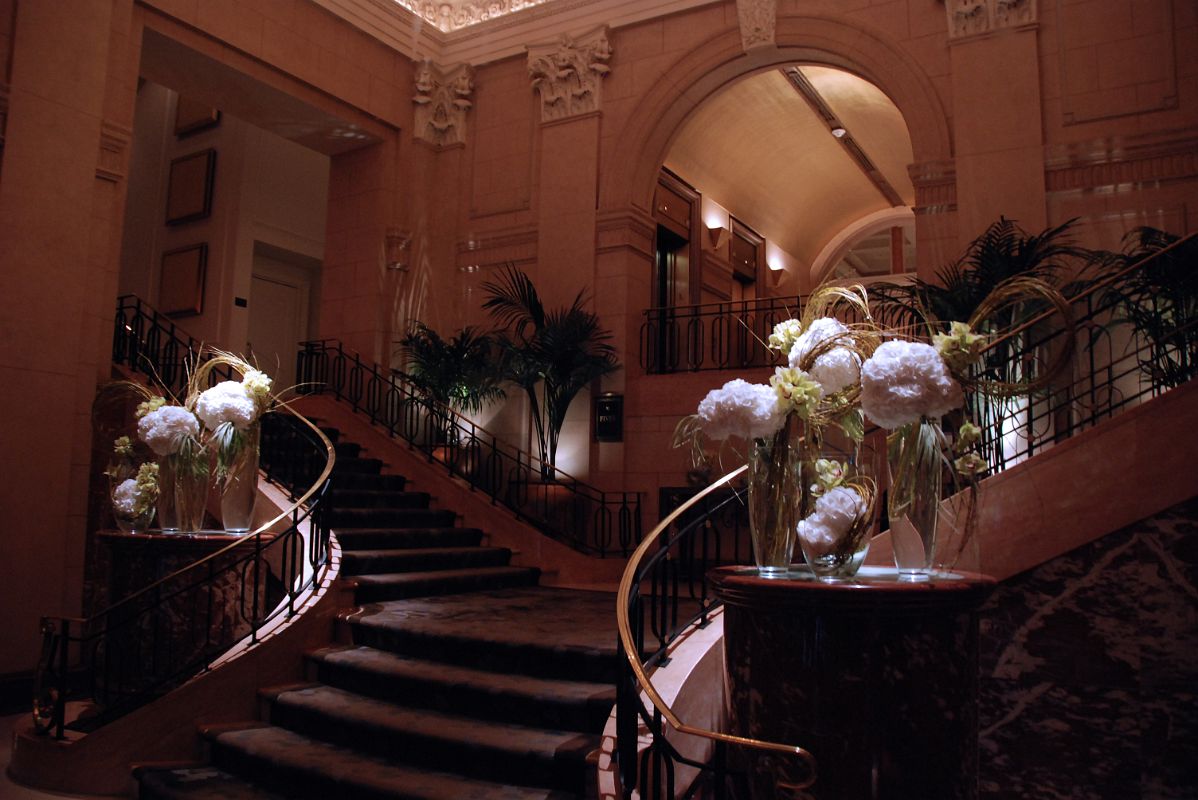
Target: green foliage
[1160,300]
[462,372]
[1003,251]
[551,354]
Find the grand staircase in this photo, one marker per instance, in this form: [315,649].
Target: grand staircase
[456,677]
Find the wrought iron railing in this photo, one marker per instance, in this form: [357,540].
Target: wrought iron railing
[664,591]
[712,335]
[584,517]
[151,641]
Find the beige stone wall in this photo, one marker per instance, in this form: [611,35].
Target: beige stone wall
[1092,111]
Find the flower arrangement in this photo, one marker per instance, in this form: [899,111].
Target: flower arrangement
[785,422]
[134,499]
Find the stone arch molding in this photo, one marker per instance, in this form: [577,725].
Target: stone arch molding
[721,59]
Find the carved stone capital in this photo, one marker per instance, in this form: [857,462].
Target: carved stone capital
[757,20]
[969,18]
[568,73]
[442,99]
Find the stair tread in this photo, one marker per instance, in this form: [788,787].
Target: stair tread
[372,715]
[353,771]
[383,663]
[433,576]
[198,782]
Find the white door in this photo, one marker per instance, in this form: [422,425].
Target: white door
[278,323]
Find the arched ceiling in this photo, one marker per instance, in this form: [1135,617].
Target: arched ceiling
[763,148]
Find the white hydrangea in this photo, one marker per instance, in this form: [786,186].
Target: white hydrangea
[739,408]
[227,401]
[904,381]
[835,369]
[165,428]
[124,498]
[835,513]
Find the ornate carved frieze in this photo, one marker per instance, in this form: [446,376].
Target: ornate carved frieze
[463,13]
[935,185]
[757,19]
[442,99]
[968,18]
[568,74]
[111,163]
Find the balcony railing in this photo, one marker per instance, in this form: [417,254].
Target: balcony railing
[589,519]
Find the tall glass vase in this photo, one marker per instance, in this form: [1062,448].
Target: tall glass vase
[916,485]
[183,490]
[239,487]
[775,498]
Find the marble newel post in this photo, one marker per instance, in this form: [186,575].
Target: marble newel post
[877,678]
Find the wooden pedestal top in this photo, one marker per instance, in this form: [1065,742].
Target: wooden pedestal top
[207,540]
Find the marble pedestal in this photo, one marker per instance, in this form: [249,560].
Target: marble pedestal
[877,678]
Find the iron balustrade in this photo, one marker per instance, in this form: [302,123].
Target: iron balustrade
[728,335]
[589,519]
[151,641]
[664,592]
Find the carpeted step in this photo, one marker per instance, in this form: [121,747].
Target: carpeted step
[378,498]
[370,466]
[492,751]
[524,700]
[300,767]
[332,433]
[347,449]
[368,562]
[538,631]
[340,518]
[399,585]
[366,481]
[197,782]
[402,538]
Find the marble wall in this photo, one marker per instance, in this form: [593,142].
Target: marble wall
[1089,670]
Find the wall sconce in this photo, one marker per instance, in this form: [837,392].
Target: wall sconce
[717,236]
[395,249]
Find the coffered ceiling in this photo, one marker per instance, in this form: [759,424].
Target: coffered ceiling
[768,154]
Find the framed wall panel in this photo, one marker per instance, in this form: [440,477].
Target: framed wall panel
[189,187]
[181,281]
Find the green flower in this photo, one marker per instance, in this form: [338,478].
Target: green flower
[147,487]
[257,386]
[967,437]
[122,446]
[970,464]
[796,391]
[153,404]
[784,335]
[829,474]
[960,347]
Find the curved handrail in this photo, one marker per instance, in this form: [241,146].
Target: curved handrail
[632,577]
[235,570]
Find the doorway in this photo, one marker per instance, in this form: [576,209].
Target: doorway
[281,306]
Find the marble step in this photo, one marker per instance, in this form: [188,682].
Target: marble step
[299,766]
[367,562]
[353,539]
[494,751]
[399,585]
[522,699]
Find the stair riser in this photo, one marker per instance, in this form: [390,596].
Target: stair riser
[400,562]
[378,593]
[541,662]
[354,481]
[290,783]
[411,538]
[547,712]
[564,771]
[385,518]
[354,499]
[369,466]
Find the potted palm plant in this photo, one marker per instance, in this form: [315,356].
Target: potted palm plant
[552,354]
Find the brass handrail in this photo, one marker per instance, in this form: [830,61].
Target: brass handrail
[642,678]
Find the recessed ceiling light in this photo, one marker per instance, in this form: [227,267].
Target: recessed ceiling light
[839,132]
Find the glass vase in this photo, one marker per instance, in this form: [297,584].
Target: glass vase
[838,555]
[183,494]
[916,485]
[136,519]
[239,487]
[775,496]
